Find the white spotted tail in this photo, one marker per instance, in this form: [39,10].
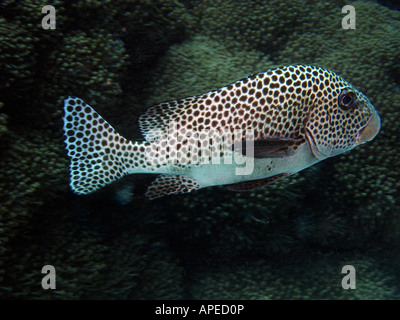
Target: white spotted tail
[99,155]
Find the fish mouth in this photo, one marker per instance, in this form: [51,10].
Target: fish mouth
[370,131]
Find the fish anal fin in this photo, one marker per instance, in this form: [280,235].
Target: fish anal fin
[169,184]
[255,184]
[272,147]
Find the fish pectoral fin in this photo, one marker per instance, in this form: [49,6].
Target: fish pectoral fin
[255,184]
[274,147]
[168,184]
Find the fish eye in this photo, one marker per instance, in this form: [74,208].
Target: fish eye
[347,100]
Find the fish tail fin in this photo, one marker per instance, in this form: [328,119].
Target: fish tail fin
[99,155]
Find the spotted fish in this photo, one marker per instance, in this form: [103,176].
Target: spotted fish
[244,135]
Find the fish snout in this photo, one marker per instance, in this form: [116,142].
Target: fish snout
[370,131]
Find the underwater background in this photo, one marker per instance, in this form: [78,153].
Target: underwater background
[289,240]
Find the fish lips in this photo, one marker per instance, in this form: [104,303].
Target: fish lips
[370,131]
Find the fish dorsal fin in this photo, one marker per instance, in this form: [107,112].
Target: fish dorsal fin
[255,184]
[168,184]
[269,147]
[156,119]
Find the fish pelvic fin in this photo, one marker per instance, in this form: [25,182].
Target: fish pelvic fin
[98,154]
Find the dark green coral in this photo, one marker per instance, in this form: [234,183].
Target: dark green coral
[121,56]
[299,277]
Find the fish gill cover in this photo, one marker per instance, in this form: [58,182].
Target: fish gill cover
[123,56]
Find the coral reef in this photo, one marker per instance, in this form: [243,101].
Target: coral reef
[88,66]
[268,26]
[319,278]
[200,65]
[370,182]
[392,4]
[346,203]
[18,61]
[143,271]
[370,64]
[121,56]
[147,28]
[3,123]
[44,65]
[90,265]
[34,167]
[77,256]
[152,26]
[33,173]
